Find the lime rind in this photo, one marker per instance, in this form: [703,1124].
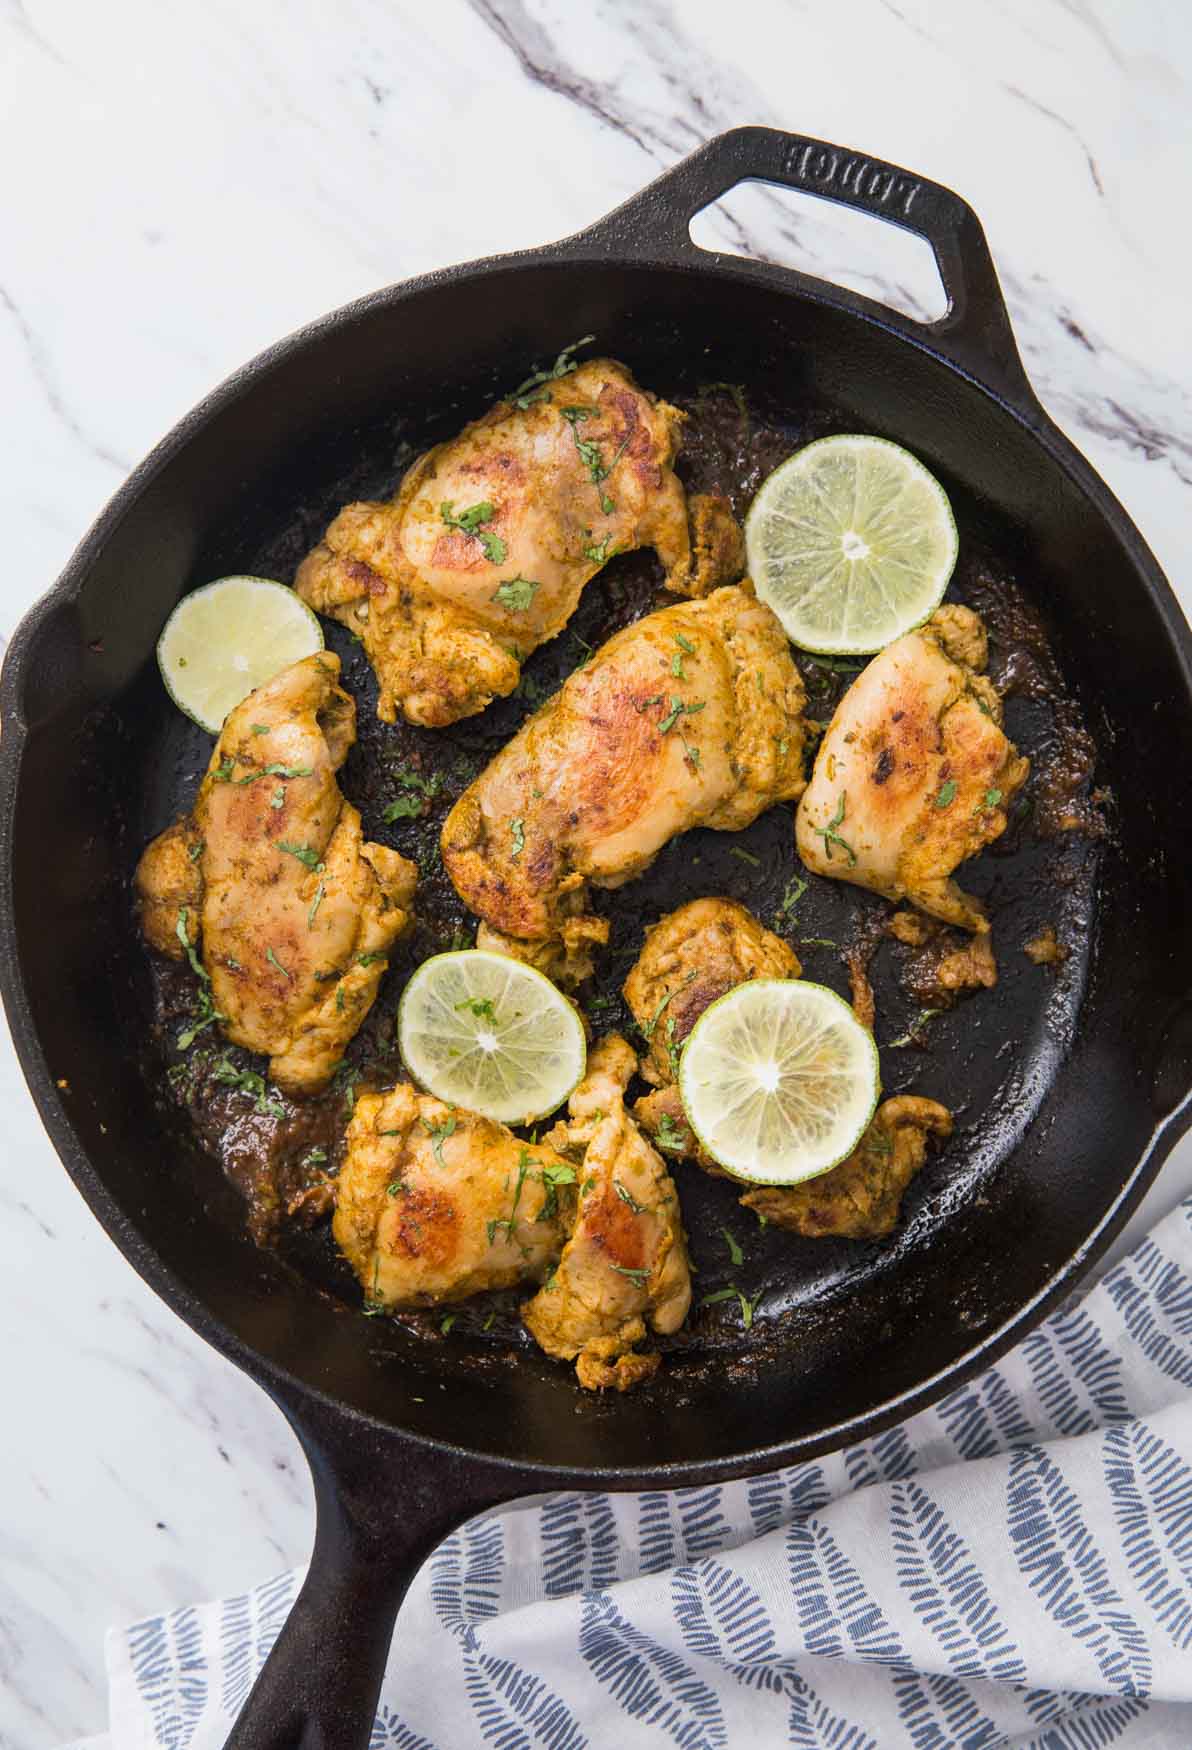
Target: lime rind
[228,638]
[852,542]
[515,1061]
[779,1080]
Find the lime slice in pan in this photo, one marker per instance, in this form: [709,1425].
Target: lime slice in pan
[227,639]
[482,1031]
[851,542]
[779,1080]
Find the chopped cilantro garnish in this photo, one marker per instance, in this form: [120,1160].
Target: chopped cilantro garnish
[627,1196]
[524,1166]
[796,887]
[830,835]
[439,1133]
[732,1292]
[320,895]
[528,392]
[552,1178]
[678,709]
[247,1081]
[469,523]
[640,1277]
[516,593]
[306,856]
[180,930]
[646,1029]
[911,1036]
[671,1137]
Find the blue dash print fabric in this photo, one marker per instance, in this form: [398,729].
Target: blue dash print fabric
[1012,1567]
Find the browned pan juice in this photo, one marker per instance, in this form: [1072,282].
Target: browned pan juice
[988,1059]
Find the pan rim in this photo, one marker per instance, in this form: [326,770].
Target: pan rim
[283,1385]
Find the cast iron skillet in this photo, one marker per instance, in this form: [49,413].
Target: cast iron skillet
[406,1439]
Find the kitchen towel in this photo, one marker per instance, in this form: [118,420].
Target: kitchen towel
[1012,1567]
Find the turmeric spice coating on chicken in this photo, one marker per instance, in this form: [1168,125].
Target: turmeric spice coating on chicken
[914,774]
[691,957]
[271,880]
[625,1262]
[434,1203]
[861,1198]
[483,553]
[693,716]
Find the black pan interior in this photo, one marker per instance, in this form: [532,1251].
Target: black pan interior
[1051,1075]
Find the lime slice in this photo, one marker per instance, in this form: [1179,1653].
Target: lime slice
[779,1080]
[851,542]
[227,639]
[482,1031]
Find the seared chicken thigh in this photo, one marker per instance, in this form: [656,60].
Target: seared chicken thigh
[691,957]
[914,774]
[694,956]
[860,1199]
[435,1204]
[270,878]
[625,1262]
[693,716]
[483,553]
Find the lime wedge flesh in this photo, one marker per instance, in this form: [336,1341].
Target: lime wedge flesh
[779,1080]
[227,639]
[851,542]
[485,1032]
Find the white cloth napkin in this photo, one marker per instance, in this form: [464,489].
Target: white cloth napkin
[1013,1567]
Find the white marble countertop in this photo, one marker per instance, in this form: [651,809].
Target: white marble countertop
[184,184]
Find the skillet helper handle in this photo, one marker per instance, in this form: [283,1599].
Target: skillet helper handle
[382,1505]
[974,331]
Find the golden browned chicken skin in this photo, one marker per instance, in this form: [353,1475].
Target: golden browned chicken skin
[483,553]
[691,957]
[914,774]
[693,716]
[270,878]
[434,1203]
[861,1198]
[625,1262]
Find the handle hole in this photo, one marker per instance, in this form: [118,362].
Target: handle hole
[836,243]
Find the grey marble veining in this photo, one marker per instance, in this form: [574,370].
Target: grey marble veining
[182,186]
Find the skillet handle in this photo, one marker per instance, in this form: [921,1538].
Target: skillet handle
[974,332]
[382,1505]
